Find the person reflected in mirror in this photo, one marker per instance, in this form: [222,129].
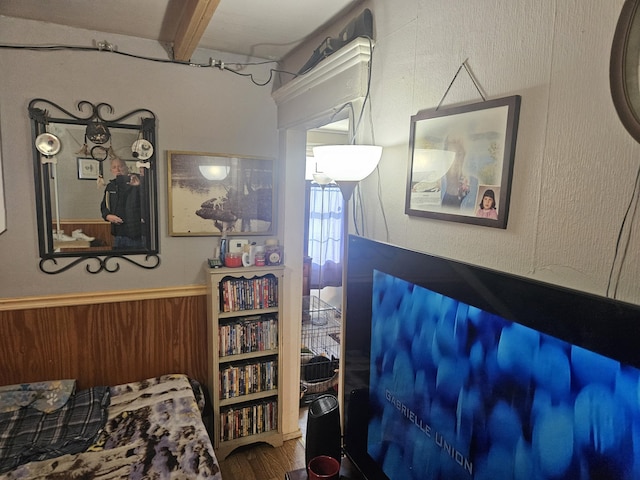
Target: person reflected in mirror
[487,206]
[121,207]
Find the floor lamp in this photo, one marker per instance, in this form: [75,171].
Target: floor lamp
[346,165]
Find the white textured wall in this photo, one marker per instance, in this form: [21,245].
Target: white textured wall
[575,164]
[202,110]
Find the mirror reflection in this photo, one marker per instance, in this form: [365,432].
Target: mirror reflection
[96,192]
[121,206]
[82,184]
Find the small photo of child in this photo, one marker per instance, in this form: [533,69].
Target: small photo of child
[487,206]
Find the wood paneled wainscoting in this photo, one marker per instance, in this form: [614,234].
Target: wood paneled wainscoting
[104,338]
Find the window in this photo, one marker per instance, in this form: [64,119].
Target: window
[324,234]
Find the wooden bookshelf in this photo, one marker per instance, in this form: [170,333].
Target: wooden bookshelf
[243,325]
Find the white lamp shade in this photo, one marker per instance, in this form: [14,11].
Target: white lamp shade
[347,162]
[214,172]
[430,165]
[321,178]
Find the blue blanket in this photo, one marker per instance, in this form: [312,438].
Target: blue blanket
[29,434]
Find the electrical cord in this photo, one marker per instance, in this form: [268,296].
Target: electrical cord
[627,218]
[357,211]
[260,84]
[107,47]
[368,101]
[368,91]
[373,141]
[357,197]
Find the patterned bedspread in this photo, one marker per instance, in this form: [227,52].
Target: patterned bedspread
[153,431]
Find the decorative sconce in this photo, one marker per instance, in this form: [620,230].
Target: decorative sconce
[142,149]
[49,146]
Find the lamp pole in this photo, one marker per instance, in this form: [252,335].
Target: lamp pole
[346,188]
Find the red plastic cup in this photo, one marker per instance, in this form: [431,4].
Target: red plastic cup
[324,467]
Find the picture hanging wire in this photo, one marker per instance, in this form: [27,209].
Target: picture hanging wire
[463,64]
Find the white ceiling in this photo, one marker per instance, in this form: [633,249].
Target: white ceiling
[266,29]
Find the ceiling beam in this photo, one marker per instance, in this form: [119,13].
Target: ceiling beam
[194,21]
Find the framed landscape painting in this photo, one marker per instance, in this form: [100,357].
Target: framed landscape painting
[211,193]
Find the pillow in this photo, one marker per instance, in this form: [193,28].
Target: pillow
[44,396]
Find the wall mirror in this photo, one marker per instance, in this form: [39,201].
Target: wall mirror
[96,186]
[624,71]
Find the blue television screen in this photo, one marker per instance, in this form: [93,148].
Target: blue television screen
[460,393]
[448,380]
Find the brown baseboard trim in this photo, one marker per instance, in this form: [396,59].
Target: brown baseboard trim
[71,299]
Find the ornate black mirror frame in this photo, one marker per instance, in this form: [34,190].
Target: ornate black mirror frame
[623,69]
[139,124]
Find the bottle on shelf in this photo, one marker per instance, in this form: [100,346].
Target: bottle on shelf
[223,246]
[272,252]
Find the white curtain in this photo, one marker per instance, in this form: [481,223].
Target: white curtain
[326,208]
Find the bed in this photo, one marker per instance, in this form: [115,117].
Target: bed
[147,429]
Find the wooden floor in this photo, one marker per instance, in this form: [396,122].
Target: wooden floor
[264,462]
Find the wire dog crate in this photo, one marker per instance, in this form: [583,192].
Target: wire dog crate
[320,349]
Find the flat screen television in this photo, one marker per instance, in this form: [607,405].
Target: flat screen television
[458,372]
